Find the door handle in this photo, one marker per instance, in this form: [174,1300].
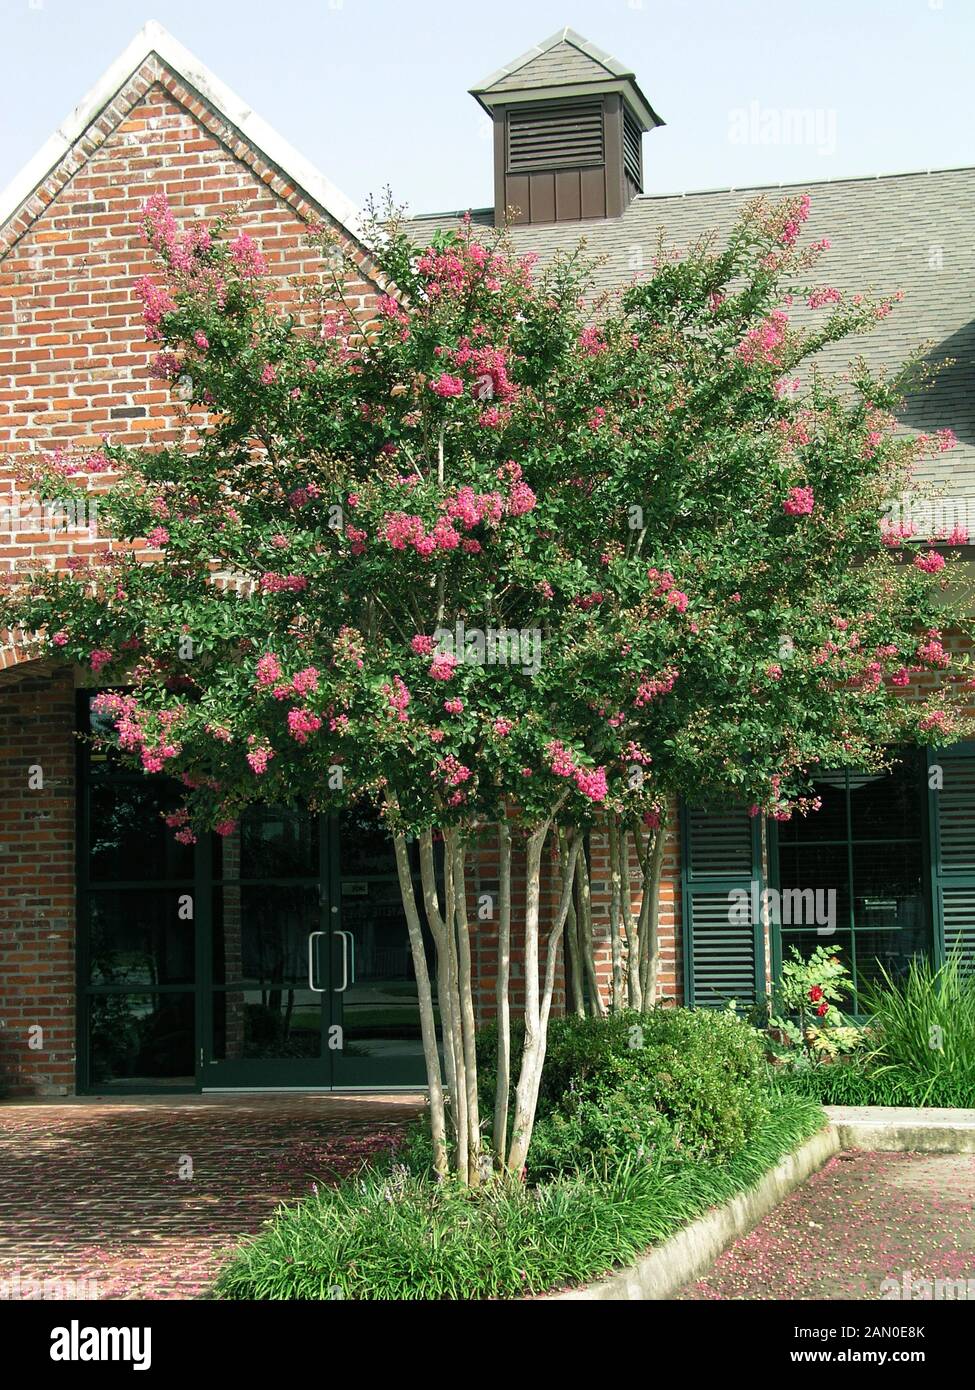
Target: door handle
[340,989]
[311,962]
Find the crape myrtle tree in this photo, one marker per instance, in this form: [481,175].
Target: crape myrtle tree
[502,561]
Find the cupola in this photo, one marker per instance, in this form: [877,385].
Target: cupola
[569,123]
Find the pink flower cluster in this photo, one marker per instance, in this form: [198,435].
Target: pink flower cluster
[931,563]
[824,296]
[258,759]
[272,583]
[590,782]
[790,232]
[301,723]
[800,502]
[247,257]
[651,687]
[592,342]
[447,386]
[398,699]
[156,303]
[764,343]
[442,667]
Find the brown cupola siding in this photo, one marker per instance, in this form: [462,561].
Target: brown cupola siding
[569,122]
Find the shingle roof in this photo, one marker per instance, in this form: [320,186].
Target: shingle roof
[565,57]
[914,232]
[565,60]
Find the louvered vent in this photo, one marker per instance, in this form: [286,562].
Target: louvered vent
[724,951]
[956,823]
[632,150]
[555,136]
[720,842]
[958,910]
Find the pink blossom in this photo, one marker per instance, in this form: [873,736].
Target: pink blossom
[824,296]
[158,537]
[60,639]
[201,340]
[931,563]
[764,343]
[247,257]
[591,341]
[678,600]
[259,759]
[100,658]
[454,706]
[447,385]
[421,645]
[502,727]
[800,502]
[521,499]
[268,374]
[592,784]
[225,827]
[301,723]
[443,666]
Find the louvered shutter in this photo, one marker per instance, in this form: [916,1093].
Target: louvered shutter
[723,950]
[953,852]
[555,136]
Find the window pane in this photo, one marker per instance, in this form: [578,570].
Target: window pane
[829,822]
[888,805]
[127,836]
[888,889]
[141,1037]
[270,842]
[894,950]
[260,933]
[365,845]
[814,887]
[139,938]
[266,1023]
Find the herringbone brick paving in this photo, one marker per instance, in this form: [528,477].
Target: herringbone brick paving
[146,1197]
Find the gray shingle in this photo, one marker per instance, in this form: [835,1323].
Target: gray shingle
[909,231]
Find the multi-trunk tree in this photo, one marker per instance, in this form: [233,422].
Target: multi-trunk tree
[501,560]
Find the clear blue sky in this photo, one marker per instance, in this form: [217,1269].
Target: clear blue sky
[375,91]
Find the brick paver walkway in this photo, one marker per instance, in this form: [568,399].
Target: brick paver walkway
[866,1226]
[144,1197]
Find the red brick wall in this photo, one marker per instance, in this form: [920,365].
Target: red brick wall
[37,980]
[74,369]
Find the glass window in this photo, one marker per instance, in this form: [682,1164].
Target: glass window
[853,872]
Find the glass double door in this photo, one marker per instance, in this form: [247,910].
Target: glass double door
[311,980]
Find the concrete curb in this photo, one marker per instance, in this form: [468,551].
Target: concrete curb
[890,1128]
[694,1249]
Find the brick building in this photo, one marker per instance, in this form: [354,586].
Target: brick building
[108,981]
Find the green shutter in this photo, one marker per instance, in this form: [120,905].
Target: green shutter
[953,853]
[723,959]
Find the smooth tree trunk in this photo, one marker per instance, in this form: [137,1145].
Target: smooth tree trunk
[583,902]
[631,924]
[615,914]
[538,998]
[575,987]
[428,1021]
[504,1004]
[457,848]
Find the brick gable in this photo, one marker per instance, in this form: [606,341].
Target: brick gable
[74,363]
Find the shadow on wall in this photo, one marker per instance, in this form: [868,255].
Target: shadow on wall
[950,399]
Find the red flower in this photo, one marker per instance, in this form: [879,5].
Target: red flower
[822,1010]
[815,993]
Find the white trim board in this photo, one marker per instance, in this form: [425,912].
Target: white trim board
[154,39]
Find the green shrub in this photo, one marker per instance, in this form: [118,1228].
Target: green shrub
[395,1235]
[919,1049]
[693,1078]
